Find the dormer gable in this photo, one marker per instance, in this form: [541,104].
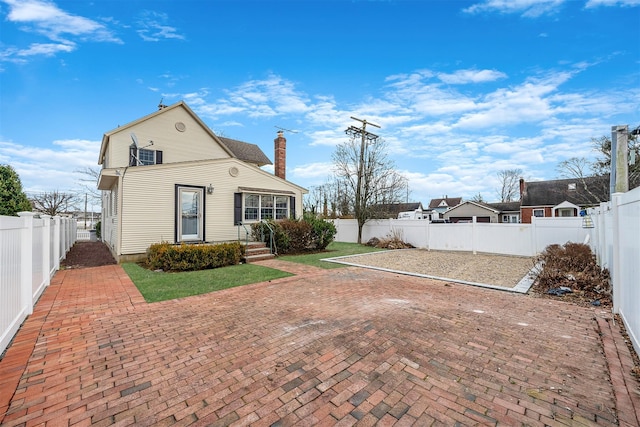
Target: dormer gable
[170,135]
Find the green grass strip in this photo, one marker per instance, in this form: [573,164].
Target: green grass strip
[335,249]
[161,286]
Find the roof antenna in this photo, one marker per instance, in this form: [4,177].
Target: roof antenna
[283,129]
[161,105]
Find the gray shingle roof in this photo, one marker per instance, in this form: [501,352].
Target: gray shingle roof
[584,191]
[505,206]
[450,201]
[246,152]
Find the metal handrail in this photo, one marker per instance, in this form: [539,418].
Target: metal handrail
[272,242]
[246,233]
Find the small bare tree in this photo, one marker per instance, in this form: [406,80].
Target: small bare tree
[509,184]
[366,163]
[583,172]
[53,203]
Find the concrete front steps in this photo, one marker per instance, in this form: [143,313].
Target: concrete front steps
[257,251]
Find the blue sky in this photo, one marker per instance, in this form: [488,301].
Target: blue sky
[461,89]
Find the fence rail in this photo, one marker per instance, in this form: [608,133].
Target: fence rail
[31,249]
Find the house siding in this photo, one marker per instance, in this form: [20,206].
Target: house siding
[527,212]
[148,209]
[195,143]
[467,211]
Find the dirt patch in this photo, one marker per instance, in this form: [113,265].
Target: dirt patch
[88,254]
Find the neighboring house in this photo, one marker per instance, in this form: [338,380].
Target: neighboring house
[562,197]
[440,206]
[167,177]
[465,211]
[393,210]
[509,211]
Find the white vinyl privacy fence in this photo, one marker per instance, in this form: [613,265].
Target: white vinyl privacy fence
[615,239]
[506,239]
[31,248]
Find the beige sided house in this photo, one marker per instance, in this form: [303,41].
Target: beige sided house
[167,177]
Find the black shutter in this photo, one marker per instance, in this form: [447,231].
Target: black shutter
[158,157]
[237,208]
[132,156]
[292,206]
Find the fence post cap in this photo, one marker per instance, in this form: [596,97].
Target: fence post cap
[27,214]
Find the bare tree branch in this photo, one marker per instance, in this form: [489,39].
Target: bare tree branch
[54,203]
[509,184]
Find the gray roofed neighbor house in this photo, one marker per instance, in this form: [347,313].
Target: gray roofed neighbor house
[505,206]
[579,191]
[246,152]
[391,210]
[450,201]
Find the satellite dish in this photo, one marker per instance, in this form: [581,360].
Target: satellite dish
[134,139]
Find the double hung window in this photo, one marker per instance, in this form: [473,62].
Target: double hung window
[258,207]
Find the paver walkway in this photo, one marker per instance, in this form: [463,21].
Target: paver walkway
[326,347]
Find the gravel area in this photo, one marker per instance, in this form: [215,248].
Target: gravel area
[497,270]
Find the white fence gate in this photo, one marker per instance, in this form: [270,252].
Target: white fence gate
[615,239]
[31,249]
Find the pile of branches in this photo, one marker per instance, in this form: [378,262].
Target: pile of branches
[393,240]
[572,267]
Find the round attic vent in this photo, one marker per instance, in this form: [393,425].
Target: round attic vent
[233,171]
[181,127]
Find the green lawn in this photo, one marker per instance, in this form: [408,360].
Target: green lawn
[335,249]
[161,286]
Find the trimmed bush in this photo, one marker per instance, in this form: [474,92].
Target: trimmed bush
[186,257]
[308,234]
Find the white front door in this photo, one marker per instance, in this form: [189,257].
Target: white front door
[190,215]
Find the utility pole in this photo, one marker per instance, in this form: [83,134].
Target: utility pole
[366,137]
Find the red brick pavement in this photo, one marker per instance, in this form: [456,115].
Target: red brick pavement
[345,346]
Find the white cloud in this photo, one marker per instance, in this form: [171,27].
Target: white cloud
[47,19]
[528,8]
[48,168]
[471,76]
[596,3]
[312,170]
[154,27]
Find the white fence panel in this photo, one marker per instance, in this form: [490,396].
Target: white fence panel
[450,237]
[625,270]
[29,256]
[12,308]
[549,231]
[504,239]
[39,275]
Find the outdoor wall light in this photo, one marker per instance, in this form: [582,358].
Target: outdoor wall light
[210,189]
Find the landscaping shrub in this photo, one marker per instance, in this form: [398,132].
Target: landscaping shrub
[308,234]
[185,257]
[574,266]
[323,231]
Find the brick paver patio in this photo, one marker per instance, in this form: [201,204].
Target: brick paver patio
[326,347]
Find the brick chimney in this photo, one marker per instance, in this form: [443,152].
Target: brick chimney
[523,188]
[280,155]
